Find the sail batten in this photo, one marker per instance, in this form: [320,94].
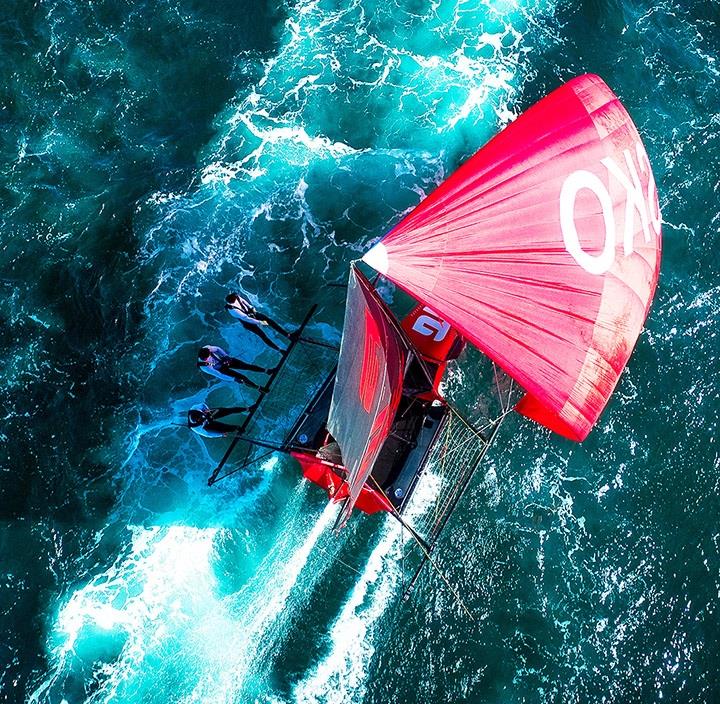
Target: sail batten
[543,250]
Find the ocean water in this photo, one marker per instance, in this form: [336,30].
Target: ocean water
[156,154]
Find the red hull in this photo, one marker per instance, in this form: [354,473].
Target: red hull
[436,342]
[322,473]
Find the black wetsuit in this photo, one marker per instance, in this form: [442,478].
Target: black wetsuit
[210,427]
[253,320]
[223,366]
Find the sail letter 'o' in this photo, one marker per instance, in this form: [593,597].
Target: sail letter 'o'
[543,250]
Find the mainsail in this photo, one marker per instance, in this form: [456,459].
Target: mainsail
[543,250]
[368,385]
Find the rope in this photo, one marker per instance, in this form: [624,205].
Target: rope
[402,567]
[446,500]
[512,388]
[497,383]
[465,422]
[335,558]
[437,515]
[245,463]
[426,554]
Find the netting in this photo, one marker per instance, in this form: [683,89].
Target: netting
[304,370]
[452,460]
[455,456]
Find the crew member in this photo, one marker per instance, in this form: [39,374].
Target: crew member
[203,420]
[252,319]
[216,362]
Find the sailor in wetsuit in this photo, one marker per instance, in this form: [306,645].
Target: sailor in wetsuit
[251,319]
[216,362]
[202,420]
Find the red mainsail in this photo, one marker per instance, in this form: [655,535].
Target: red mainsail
[543,249]
[368,385]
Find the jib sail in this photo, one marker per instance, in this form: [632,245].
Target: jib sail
[543,250]
[368,385]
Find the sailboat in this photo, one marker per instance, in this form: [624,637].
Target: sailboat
[543,252]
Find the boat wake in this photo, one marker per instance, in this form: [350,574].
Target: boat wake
[157,619]
[342,675]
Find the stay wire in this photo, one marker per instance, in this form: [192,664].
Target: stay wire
[245,463]
[335,558]
[426,554]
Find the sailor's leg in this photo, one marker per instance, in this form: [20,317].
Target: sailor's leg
[234,363]
[255,329]
[224,427]
[222,412]
[241,378]
[271,323]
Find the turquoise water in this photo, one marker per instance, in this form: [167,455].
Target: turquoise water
[155,155]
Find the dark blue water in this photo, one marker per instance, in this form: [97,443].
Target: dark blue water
[155,155]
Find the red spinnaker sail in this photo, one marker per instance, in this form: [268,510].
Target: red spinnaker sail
[543,250]
[368,385]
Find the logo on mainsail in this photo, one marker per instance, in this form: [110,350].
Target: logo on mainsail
[371,363]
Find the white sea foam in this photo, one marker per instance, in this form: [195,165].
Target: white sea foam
[259,609]
[140,600]
[160,602]
[340,676]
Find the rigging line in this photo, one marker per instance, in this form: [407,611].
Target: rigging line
[447,499]
[491,424]
[498,419]
[444,508]
[465,481]
[447,496]
[501,417]
[497,385]
[467,478]
[466,422]
[426,553]
[335,558]
[402,568]
[259,458]
[247,454]
[402,554]
[455,453]
[444,500]
[443,454]
[461,445]
[320,343]
[487,425]
[512,385]
[451,497]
